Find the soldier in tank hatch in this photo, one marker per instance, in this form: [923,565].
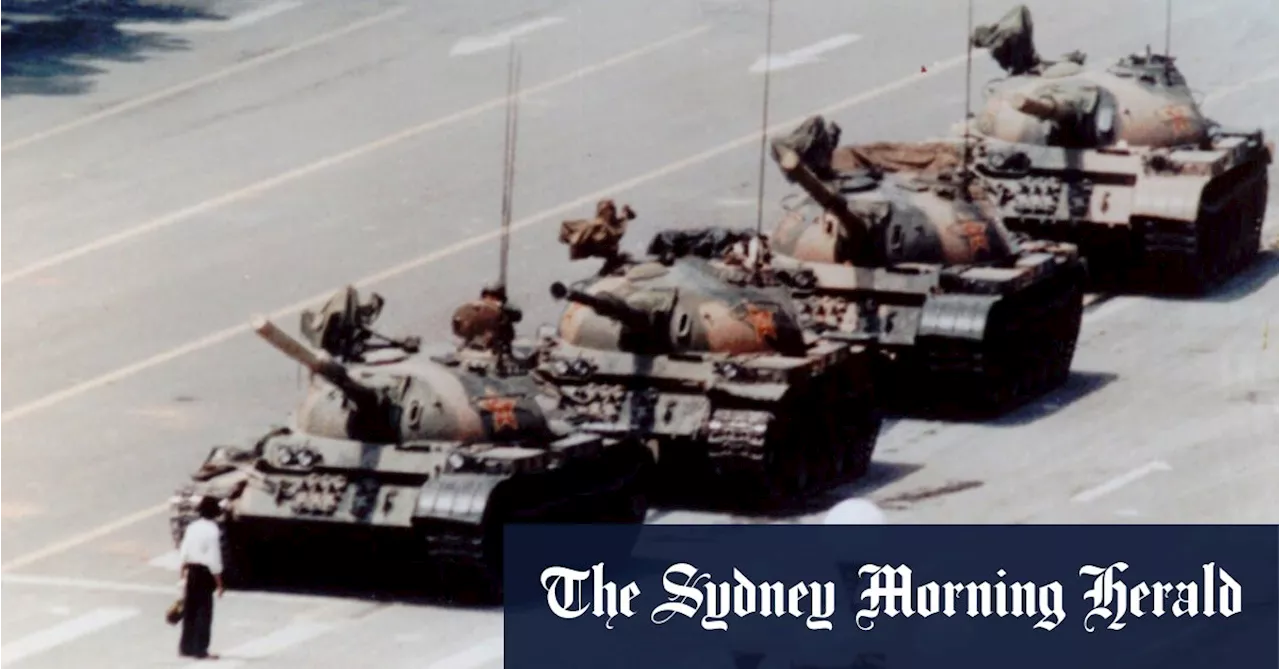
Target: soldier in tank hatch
[487,324]
[599,237]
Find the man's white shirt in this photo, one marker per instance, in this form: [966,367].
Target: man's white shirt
[201,544]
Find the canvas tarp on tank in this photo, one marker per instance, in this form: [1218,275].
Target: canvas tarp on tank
[1011,43]
[712,242]
[922,157]
[817,142]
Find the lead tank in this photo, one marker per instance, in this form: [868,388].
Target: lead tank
[908,257]
[1120,160]
[703,357]
[400,456]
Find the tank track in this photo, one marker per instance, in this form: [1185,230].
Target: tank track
[1223,240]
[255,555]
[820,438]
[1028,348]
[473,552]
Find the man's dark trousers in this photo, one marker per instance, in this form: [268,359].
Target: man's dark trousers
[197,615]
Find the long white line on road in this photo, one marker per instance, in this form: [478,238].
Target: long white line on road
[802,56]
[63,632]
[476,655]
[479,44]
[270,644]
[170,561]
[296,173]
[1236,88]
[453,249]
[85,537]
[219,75]
[211,26]
[1121,481]
[94,585]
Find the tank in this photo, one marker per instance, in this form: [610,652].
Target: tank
[704,358]
[1119,160]
[400,455]
[907,257]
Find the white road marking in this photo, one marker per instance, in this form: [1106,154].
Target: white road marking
[296,173]
[91,585]
[63,632]
[212,77]
[477,655]
[730,202]
[478,44]
[86,584]
[453,249]
[1121,481]
[85,537]
[802,56]
[1237,87]
[168,561]
[236,22]
[270,644]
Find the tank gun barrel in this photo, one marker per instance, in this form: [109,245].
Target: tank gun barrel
[317,362]
[797,172]
[1042,108]
[608,306]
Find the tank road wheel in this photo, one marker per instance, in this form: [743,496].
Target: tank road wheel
[829,444]
[1066,334]
[1254,214]
[1002,356]
[860,431]
[628,503]
[784,470]
[852,425]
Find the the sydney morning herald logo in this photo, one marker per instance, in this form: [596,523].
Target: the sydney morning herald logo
[891,591]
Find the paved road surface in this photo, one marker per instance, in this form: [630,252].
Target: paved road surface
[170,176]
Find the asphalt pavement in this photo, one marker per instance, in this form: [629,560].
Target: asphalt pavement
[171,173]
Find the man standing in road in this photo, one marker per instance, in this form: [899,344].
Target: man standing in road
[201,555]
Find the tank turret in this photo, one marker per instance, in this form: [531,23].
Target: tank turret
[688,305]
[909,258]
[1120,160]
[874,217]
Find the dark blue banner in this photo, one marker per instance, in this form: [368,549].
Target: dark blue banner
[892,597]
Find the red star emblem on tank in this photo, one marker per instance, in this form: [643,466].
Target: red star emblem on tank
[502,410]
[1178,116]
[761,320]
[975,234]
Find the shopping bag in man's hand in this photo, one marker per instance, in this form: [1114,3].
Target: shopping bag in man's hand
[174,615]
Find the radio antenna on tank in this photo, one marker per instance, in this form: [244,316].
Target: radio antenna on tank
[764,118]
[1168,26]
[509,158]
[968,88]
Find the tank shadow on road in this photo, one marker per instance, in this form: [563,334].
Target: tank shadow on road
[50,46]
[1250,280]
[1078,385]
[413,584]
[1245,282]
[720,501]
